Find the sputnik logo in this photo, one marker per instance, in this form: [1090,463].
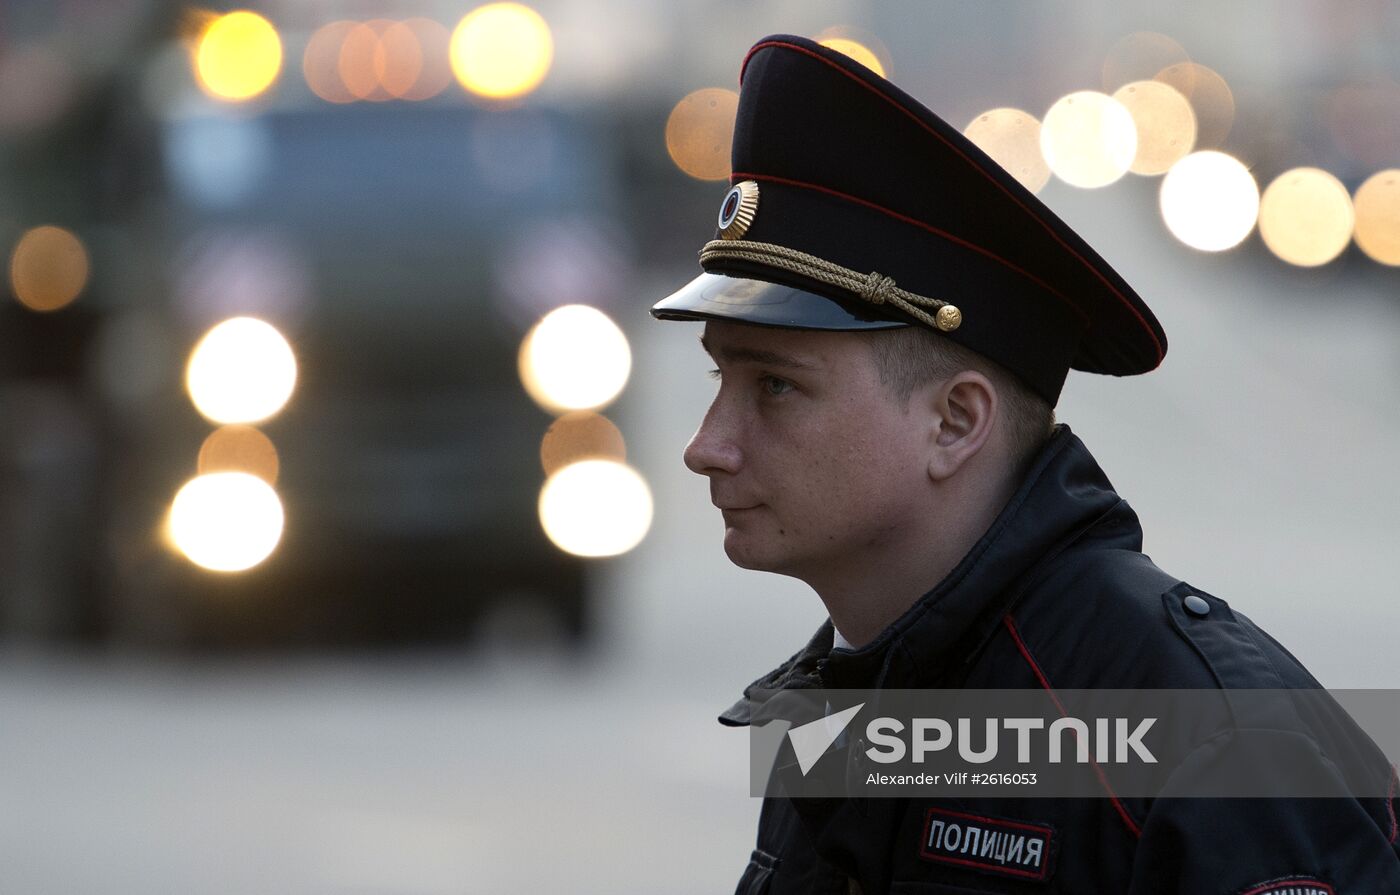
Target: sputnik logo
[811,740]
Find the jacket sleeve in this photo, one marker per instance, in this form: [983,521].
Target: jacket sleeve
[1336,845]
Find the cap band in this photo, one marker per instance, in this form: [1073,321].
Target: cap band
[872,287]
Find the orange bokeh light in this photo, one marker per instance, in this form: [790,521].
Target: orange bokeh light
[378,60]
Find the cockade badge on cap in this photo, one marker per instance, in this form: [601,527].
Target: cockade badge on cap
[737,212]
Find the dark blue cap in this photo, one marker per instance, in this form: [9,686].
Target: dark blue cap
[854,207]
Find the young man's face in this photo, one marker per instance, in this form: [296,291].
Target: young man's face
[813,463]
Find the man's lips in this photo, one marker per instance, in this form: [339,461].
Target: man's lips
[724,509]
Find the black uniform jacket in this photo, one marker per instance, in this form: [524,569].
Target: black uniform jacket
[1058,594]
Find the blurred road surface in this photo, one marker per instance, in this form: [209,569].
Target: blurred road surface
[422,775]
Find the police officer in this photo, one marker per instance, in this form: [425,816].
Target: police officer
[892,317]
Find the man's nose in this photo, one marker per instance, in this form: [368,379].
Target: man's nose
[712,449]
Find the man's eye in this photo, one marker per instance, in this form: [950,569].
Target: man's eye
[775,386]
[713,374]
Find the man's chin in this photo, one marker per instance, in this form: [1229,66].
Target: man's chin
[745,562]
[749,556]
[739,553]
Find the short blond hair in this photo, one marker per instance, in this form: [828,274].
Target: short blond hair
[912,356]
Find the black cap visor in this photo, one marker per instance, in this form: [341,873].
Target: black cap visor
[712,296]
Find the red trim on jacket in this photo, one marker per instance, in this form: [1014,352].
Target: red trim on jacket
[1045,683]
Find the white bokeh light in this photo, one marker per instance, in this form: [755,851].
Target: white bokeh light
[1306,217]
[226,521]
[1012,138]
[575,358]
[596,508]
[1165,122]
[1209,201]
[1088,139]
[1377,204]
[242,371]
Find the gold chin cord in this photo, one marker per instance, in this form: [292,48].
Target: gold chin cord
[872,287]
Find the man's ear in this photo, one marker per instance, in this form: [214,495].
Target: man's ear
[965,411]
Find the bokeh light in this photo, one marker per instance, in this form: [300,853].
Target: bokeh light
[1377,204]
[1210,97]
[242,371]
[238,56]
[857,44]
[239,449]
[857,51]
[1012,138]
[1165,122]
[595,508]
[398,59]
[1209,201]
[320,63]
[581,435]
[1139,56]
[361,59]
[1088,139]
[434,67]
[48,268]
[699,132]
[226,521]
[1305,217]
[501,50]
[378,60]
[575,358]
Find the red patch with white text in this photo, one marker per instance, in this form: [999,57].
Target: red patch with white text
[1293,885]
[993,845]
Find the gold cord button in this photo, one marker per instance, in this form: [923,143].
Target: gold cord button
[949,318]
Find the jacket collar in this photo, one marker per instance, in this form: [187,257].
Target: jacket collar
[1062,496]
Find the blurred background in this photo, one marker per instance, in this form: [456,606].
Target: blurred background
[345,544]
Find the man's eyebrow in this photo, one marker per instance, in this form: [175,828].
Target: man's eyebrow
[758,356]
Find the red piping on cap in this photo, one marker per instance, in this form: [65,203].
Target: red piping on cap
[921,224]
[1296,882]
[1012,196]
